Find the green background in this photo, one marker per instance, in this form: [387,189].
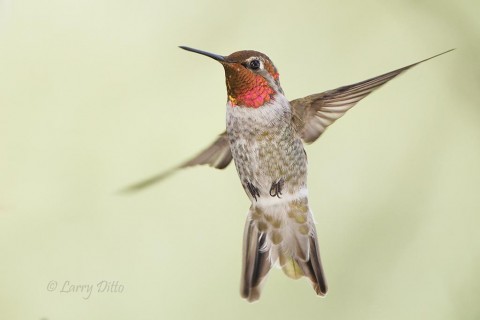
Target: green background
[95,95]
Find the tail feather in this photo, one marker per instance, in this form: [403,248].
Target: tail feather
[292,242]
[313,268]
[291,267]
[256,262]
[310,267]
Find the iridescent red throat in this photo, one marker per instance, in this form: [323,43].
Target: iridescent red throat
[254,97]
[245,88]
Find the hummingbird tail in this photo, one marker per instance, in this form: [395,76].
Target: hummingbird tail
[256,261]
[285,235]
[311,267]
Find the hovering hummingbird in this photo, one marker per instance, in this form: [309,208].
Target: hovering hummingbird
[265,136]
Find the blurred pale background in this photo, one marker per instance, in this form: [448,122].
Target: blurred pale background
[95,95]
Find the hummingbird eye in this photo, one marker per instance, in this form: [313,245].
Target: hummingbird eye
[254,64]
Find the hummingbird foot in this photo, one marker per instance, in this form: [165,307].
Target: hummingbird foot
[276,188]
[253,190]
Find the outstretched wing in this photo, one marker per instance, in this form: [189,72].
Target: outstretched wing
[314,113]
[217,155]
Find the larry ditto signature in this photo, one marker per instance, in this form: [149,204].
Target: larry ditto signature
[85,290]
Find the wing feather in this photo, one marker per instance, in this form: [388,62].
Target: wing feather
[217,155]
[313,114]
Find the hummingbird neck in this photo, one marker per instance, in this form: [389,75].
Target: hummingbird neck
[253,94]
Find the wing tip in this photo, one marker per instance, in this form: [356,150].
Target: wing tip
[430,58]
[136,187]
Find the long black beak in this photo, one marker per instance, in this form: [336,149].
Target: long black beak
[205,53]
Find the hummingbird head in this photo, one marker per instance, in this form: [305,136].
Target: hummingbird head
[252,79]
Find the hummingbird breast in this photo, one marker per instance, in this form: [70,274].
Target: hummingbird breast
[268,153]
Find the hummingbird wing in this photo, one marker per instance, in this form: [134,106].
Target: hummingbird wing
[313,114]
[217,155]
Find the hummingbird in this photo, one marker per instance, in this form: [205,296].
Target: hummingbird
[265,136]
